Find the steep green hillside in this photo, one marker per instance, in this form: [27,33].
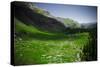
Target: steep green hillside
[36,18]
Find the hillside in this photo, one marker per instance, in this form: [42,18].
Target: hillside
[38,20]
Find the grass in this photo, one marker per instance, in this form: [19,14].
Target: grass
[37,47]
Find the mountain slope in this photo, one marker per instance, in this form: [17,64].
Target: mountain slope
[40,21]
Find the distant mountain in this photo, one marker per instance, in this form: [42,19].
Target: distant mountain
[89,25]
[69,23]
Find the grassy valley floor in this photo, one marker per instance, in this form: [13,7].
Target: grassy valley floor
[35,47]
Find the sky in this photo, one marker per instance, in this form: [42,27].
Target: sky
[81,14]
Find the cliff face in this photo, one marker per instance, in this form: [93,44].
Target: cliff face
[29,15]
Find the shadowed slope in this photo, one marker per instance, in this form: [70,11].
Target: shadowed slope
[30,17]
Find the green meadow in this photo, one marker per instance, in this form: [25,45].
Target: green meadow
[32,46]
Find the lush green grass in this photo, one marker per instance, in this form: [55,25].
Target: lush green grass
[36,47]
